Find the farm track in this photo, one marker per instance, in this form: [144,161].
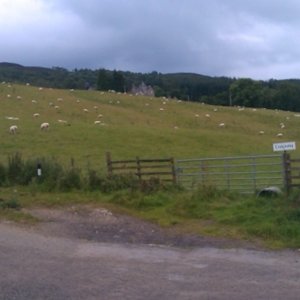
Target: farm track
[82,253]
[101,225]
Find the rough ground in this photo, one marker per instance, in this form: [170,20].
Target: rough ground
[101,225]
[92,254]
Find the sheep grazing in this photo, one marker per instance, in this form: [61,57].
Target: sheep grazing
[196,115]
[62,121]
[85,110]
[13,129]
[59,99]
[161,109]
[261,132]
[36,115]
[97,122]
[215,109]
[8,96]
[222,125]
[282,125]
[44,126]
[19,97]
[207,115]
[279,134]
[33,101]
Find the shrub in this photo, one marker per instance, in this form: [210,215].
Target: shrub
[2,175]
[71,179]
[15,169]
[112,183]
[93,180]
[12,204]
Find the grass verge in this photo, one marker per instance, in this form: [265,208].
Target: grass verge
[273,221]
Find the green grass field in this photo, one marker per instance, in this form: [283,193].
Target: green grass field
[150,128]
[132,126]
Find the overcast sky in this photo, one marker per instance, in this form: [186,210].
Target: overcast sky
[259,39]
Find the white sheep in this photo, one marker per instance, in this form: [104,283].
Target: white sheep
[279,134]
[85,110]
[222,125]
[36,115]
[62,121]
[44,126]
[97,122]
[13,129]
[261,132]
[207,115]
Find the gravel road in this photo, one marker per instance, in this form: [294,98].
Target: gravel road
[45,263]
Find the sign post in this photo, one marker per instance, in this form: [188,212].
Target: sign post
[284,146]
[286,161]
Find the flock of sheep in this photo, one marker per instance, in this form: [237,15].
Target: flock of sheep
[13,129]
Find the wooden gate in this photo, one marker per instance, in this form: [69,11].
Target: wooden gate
[144,169]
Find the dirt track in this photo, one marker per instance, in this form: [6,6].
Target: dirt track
[65,257]
[101,225]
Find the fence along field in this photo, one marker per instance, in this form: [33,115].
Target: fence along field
[243,174]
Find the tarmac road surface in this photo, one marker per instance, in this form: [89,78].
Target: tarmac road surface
[36,266]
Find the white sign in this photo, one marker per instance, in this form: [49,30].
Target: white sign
[284,146]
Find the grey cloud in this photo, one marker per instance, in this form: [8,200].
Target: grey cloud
[216,37]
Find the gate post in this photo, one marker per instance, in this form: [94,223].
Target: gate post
[174,177]
[287,171]
[109,163]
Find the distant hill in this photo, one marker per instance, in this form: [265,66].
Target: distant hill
[274,94]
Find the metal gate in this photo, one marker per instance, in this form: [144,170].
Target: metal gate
[246,174]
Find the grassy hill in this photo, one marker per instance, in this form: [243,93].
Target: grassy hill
[132,126]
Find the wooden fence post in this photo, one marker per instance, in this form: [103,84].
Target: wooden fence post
[173,170]
[287,171]
[138,167]
[108,163]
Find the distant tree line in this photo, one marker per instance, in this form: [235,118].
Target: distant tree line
[275,94]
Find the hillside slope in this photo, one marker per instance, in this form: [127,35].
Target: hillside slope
[130,126]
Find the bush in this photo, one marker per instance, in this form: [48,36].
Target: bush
[15,169]
[12,204]
[112,183]
[2,175]
[93,180]
[71,179]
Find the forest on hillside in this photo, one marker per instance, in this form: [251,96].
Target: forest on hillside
[274,94]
